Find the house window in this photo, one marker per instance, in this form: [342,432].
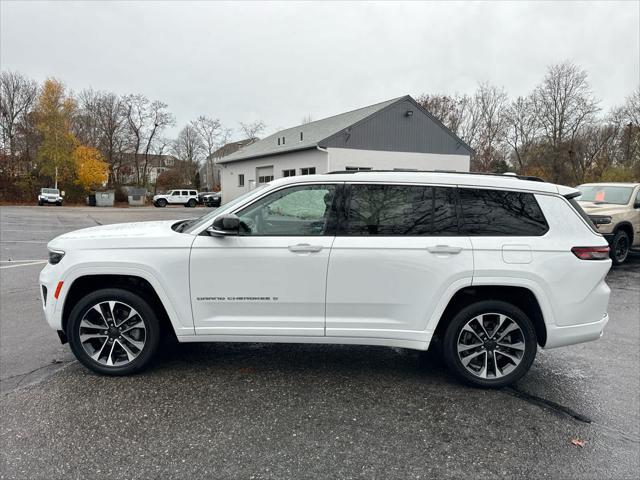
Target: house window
[357,169]
[289,173]
[308,171]
[300,136]
[283,140]
[265,179]
[241,180]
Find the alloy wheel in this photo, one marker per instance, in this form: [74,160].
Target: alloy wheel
[112,333]
[491,345]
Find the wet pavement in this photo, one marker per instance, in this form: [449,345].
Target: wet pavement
[305,411]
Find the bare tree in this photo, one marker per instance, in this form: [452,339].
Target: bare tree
[17,97]
[253,129]
[146,120]
[491,104]
[564,104]
[189,149]
[522,131]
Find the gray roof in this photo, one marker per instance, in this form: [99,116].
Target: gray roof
[312,133]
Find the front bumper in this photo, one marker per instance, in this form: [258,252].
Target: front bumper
[558,336]
[49,278]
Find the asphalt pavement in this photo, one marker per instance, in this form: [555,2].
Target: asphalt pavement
[300,411]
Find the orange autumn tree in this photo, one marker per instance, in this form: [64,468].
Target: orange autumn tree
[91,170]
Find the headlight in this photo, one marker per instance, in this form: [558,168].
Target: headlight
[55,256]
[600,219]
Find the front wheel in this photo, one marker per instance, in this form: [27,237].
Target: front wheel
[161,203]
[620,247]
[113,332]
[40,203]
[490,344]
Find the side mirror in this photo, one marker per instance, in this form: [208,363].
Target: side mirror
[225,225]
[637,204]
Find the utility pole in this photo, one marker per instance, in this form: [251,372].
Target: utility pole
[56,185]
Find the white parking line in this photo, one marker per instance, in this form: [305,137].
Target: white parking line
[24,264]
[21,241]
[24,260]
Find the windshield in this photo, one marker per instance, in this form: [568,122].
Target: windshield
[605,194]
[53,191]
[226,208]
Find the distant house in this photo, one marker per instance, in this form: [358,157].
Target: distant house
[396,134]
[126,172]
[210,170]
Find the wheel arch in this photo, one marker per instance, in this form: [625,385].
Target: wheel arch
[628,229]
[84,284]
[521,297]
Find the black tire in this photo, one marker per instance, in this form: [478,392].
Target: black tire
[620,246]
[40,203]
[58,204]
[146,314]
[161,203]
[488,307]
[191,203]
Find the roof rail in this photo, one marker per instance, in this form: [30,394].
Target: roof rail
[405,170]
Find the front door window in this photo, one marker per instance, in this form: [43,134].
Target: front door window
[296,211]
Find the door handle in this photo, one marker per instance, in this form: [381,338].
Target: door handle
[444,249]
[305,248]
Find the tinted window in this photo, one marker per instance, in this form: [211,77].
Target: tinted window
[176,192]
[302,210]
[185,193]
[498,213]
[401,210]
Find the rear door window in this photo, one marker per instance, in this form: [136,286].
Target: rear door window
[500,213]
[400,210]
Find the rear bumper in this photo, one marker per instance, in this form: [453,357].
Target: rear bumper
[569,335]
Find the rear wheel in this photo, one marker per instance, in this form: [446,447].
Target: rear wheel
[161,203]
[113,332]
[620,247]
[490,344]
[192,203]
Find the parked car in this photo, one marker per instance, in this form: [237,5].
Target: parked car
[486,267]
[614,208]
[212,199]
[188,198]
[50,195]
[201,196]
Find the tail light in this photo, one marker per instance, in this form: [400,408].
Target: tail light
[591,253]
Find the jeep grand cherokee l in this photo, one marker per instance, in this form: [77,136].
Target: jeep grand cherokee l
[492,267]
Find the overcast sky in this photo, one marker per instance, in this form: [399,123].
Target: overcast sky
[282,61]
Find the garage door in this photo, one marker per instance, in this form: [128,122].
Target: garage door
[264,174]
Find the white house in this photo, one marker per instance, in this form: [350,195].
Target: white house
[396,134]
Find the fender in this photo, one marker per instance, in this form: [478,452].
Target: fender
[178,322]
[448,294]
[534,287]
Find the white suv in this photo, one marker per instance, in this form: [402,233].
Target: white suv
[188,198]
[486,267]
[50,195]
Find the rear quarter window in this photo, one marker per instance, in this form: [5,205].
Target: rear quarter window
[501,213]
